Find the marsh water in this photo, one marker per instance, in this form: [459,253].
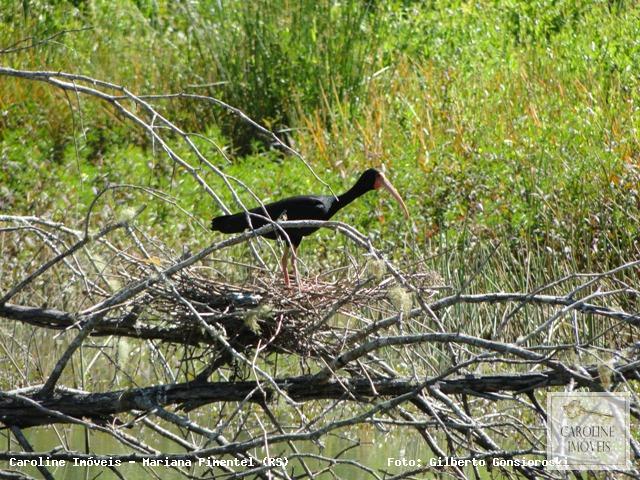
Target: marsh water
[377,450]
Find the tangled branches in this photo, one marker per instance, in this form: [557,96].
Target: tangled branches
[356,343]
[110,331]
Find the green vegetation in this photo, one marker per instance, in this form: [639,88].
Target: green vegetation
[514,121]
[511,129]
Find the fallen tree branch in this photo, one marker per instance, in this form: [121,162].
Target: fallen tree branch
[122,326]
[103,406]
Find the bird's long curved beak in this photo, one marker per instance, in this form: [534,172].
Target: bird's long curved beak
[382,182]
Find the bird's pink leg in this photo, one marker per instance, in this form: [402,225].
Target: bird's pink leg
[294,261]
[283,264]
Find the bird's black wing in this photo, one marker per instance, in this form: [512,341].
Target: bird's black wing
[305,207]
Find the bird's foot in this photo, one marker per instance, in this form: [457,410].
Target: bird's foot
[302,286]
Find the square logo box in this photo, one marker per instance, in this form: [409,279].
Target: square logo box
[588,431]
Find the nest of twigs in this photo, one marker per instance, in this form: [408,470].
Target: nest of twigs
[309,320]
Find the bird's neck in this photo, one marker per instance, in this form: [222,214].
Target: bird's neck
[347,197]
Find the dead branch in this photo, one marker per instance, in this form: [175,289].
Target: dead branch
[71,406]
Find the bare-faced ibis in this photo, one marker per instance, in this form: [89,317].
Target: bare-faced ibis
[304,207]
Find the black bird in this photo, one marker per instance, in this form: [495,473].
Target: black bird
[304,207]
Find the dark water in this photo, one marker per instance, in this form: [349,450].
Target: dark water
[375,449]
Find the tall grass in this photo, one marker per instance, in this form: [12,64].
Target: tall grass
[514,122]
[277,60]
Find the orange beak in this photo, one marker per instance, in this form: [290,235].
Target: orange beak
[382,182]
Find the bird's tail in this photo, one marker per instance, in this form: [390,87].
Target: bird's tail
[229,223]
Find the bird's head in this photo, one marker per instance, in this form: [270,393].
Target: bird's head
[375,180]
